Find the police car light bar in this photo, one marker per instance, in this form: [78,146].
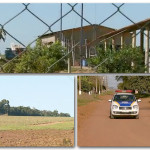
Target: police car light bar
[124,91]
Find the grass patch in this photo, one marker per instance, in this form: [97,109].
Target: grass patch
[108,93]
[85,98]
[82,102]
[35,123]
[63,126]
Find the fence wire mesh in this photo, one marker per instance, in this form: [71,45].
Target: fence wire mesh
[58,20]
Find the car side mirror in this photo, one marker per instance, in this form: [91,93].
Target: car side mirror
[139,100]
[109,100]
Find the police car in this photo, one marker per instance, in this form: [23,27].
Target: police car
[124,104]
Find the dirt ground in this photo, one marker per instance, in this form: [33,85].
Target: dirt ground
[77,69]
[95,128]
[36,138]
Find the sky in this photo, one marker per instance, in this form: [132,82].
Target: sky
[112,82]
[42,92]
[27,28]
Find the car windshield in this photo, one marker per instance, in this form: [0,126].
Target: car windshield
[124,98]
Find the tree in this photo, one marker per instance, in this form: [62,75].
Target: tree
[4,106]
[64,115]
[55,113]
[126,60]
[38,59]
[89,83]
[140,83]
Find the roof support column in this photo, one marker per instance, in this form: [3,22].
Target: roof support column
[142,40]
[105,45]
[113,43]
[122,40]
[69,60]
[147,50]
[81,36]
[73,53]
[134,39]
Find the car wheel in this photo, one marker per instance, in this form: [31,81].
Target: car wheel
[111,116]
[137,117]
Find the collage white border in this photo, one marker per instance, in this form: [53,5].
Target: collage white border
[75,75]
[74,1]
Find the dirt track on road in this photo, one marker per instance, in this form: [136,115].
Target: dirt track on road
[95,128]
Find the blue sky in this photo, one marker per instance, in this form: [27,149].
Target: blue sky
[26,27]
[42,92]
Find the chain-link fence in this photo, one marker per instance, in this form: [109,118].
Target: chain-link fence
[79,27]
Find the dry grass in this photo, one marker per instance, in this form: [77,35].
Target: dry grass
[86,98]
[35,123]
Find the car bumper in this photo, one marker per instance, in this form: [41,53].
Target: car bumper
[125,113]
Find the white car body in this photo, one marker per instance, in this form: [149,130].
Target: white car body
[124,105]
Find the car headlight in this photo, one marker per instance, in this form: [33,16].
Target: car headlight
[135,107]
[114,107]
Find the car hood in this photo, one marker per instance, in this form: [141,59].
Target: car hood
[125,103]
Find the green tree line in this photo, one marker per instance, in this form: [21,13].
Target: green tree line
[5,108]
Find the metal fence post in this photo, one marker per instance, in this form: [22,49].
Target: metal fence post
[81,39]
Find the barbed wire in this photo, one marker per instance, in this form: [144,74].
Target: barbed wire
[59,19]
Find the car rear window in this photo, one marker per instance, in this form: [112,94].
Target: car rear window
[124,98]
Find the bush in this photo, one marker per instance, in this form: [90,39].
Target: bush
[126,60]
[38,59]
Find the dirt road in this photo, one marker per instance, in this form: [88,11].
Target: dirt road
[95,128]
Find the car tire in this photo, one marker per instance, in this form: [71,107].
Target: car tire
[111,116]
[137,117]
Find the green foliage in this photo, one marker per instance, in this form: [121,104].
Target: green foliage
[118,61]
[4,106]
[27,111]
[38,59]
[140,83]
[2,61]
[87,84]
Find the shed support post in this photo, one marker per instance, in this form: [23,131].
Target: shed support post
[113,43]
[142,40]
[147,50]
[69,60]
[134,39]
[105,45]
[122,40]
